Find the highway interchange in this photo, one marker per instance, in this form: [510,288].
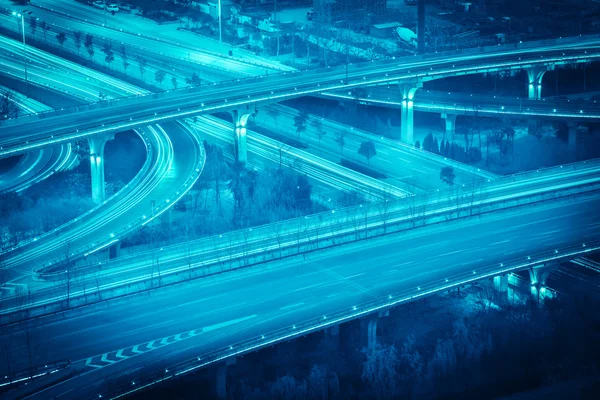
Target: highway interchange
[524,232]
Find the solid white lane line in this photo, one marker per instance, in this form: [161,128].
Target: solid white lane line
[291,306]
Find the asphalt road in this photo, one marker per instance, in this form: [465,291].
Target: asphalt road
[37,165]
[173,161]
[263,90]
[482,105]
[233,307]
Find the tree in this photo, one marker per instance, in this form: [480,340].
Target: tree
[124,57]
[318,126]
[174,82]
[159,76]
[447,175]
[367,150]
[431,144]
[273,113]
[142,63]
[33,25]
[8,107]
[77,35]
[417,144]
[194,80]
[89,45]
[380,372]
[45,28]
[340,139]
[303,193]
[61,38]
[300,122]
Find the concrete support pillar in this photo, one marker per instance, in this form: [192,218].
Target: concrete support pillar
[450,125]
[534,127]
[407,116]
[221,379]
[538,276]
[240,120]
[96,145]
[501,283]
[114,250]
[501,288]
[333,333]
[535,75]
[572,135]
[368,327]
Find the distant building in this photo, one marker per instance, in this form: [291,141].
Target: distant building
[333,10]
[384,31]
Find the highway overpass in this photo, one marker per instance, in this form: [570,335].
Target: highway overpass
[243,96]
[147,339]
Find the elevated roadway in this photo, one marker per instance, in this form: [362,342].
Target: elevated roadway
[481,105]
[37,165]
[257,245]
[129,341]
[16,135]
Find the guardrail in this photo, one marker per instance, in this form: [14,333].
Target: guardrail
[456,197]
[24,376]
[321,322]
[228,253]
[217,105]
[120,193]
[158,210]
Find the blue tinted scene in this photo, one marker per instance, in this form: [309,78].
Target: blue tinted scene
[299,199]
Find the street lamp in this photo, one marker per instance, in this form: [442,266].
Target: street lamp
[22,16]
[220,34]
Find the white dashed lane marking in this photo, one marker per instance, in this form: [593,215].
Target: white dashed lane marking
[106,359]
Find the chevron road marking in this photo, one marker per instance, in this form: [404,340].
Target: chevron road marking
[103,360]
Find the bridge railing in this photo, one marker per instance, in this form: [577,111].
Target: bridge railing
[121,193]
[141,221]
[240,250]
[123,386]
[440,198]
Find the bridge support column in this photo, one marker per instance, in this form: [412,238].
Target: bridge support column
[501,288]
[333,333]
[240,120]
[450,120]
[96,145]
[114,251]
[368,327]
[535,75]
[538,276]
[572,141]
[407,116]
[534,127]
[221,379]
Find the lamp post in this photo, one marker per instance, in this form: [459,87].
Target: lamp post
[22,16]
[220,32]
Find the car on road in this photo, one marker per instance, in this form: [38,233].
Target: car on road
[112,7]
[98,4]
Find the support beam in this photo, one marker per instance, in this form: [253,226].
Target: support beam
[535,75]
[114,251]
[450,120]
[538,276]
[96,145]
[240,120]
[534,127]
[407,117]
[572,141]
[333,333]
[368,327]
[501,288]
[221,379]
